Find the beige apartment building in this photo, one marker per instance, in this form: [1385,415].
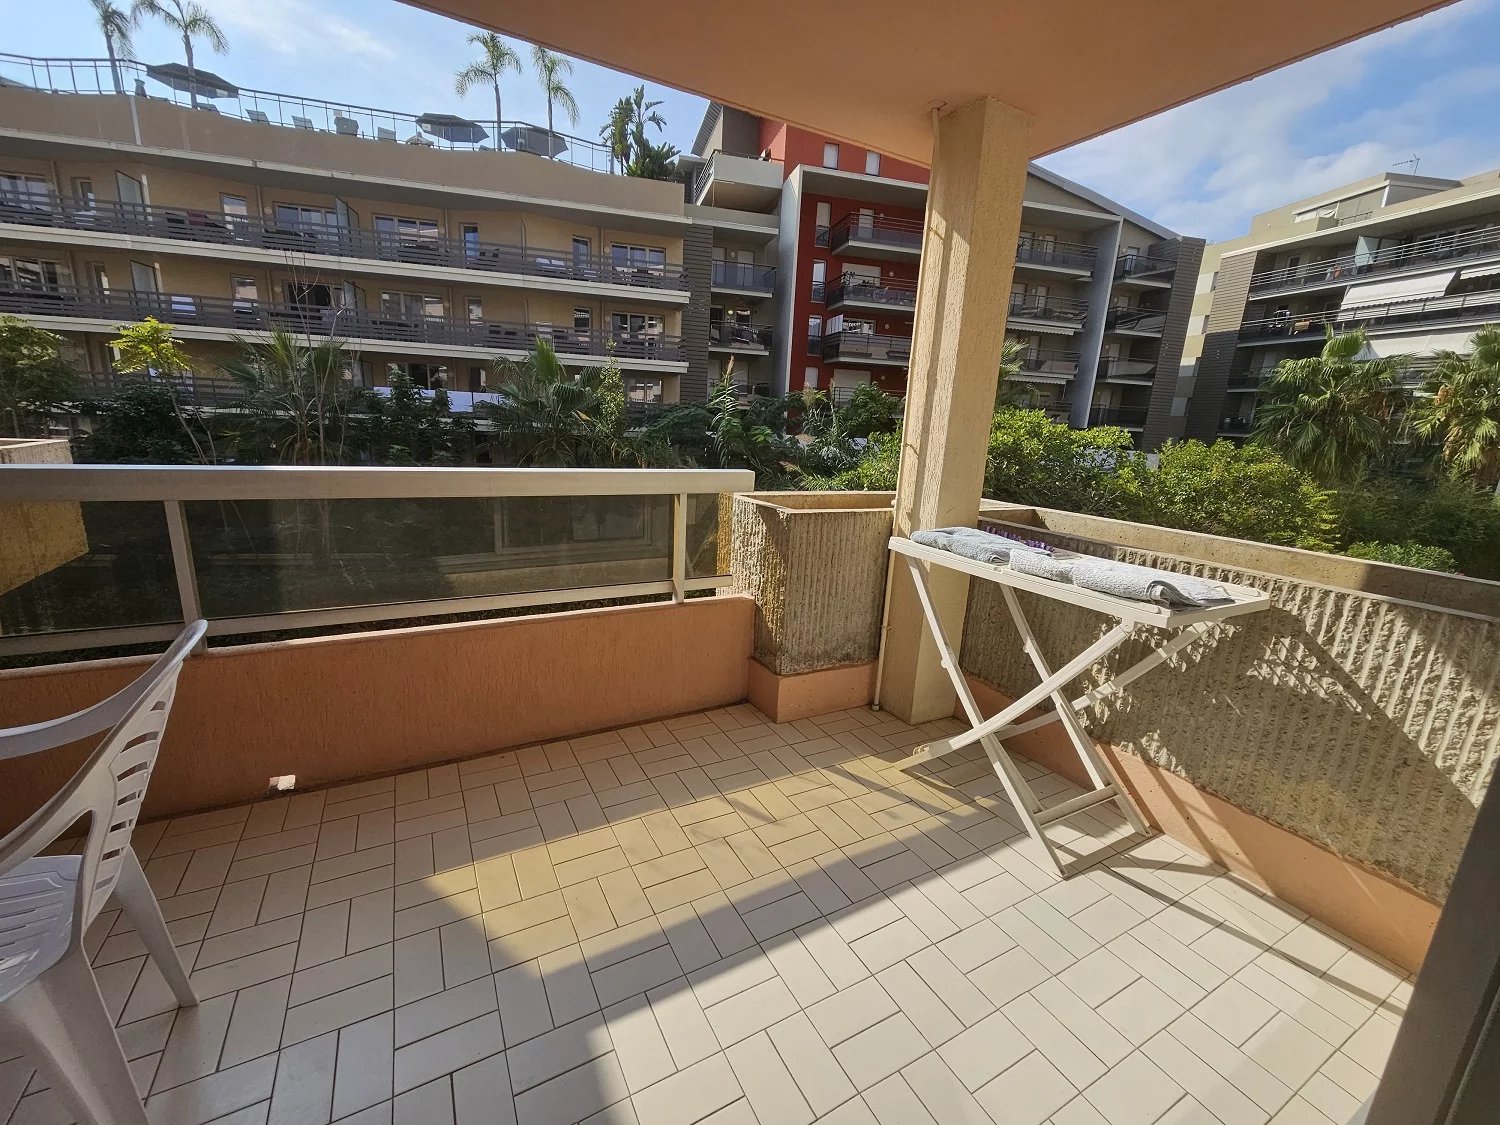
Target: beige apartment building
[1413,260]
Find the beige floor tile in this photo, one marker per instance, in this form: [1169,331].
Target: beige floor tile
[447,1051]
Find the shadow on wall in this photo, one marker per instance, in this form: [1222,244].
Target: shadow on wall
[1364,725]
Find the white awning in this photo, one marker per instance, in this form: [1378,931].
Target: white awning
[1043,329]
[1480,271]
[1401,289]
[1419,343]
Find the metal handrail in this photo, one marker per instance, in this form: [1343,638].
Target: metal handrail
[95,76]
[1138,265]
[1123,367]
[1468,306]
[866,345]
[1073,255]
[1038,307]
[238,315]
[882,230]
[752,276]
[886,292]
[1476,244]
[220,229]
[732,334]
[1130,319]
[1045,362]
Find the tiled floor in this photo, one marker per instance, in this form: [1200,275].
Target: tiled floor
[718,919]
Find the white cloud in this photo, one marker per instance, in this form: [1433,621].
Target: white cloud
[1206,167]
[299,27]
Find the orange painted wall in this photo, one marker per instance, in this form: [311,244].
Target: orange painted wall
[332,709]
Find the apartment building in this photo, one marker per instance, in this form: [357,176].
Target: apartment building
[424,256]
[1100,296]
[1413,260]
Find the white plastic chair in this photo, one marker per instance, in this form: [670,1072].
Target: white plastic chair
[50,1005]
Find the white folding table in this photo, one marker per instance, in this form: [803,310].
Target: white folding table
[1191,623]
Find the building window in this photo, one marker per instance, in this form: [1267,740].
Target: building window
[23,189]
[830,155]
[143,277]
[470,232]
[643,390]
[406,232]
[83,191]
[128,189]
[819,277]
[583,253]
[477,379]
[411,304]
[98,277]
[872,163]
[244,289]
[33,273]
[635,324]
[583,320]
[810,376]
[648,259]
[476,310]
[235,208]
[295,215]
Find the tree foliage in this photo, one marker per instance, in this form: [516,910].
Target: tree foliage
[35,380]
[143,424]
[1404,554]
[296,398]
[548,416]
[1460,408]
[1033,460]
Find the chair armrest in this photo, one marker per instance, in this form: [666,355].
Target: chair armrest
[17,742]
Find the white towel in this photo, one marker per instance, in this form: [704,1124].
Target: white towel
[1042,565]
[970,542]
[1145,584]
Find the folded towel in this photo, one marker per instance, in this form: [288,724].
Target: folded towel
[970,542]
[1042,565]
[1143,583]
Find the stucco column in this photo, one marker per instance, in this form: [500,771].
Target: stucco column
[979,161]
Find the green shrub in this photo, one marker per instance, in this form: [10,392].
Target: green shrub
[1442,512]
[1404,554]
[1034,460]
[875,471]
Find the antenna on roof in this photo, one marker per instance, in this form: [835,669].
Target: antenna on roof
[1415,162]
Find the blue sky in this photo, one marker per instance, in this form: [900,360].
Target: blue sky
[1430,87]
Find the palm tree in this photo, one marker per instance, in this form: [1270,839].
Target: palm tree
[643,113]
[615,133]
[498,57]
[297,397]
[551,68]
[654,162]
[1461,406]
[116,24]
[1331,413]
[545,415]
[190,20]
[1009,390]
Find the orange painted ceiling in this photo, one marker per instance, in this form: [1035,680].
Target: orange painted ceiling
[870,72]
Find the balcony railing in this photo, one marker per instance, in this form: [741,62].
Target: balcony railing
[236,315]
[1143,266]
[751,277]
[1131,417]
[747,336]
[1445,248]
[1251,380]
[290,111]
[1041,361]
[1056,310]
[887,293]
[874,347]
[1469,306]
[1236,426]
[1123,318]
[216,228]
[1125,368]
[1069,255]
[902,235]
[258,549]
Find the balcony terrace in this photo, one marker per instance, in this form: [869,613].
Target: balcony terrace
[1128,417]
[746,278]
[1126,320]
[1073,259]
[1143,269]
[879,237]
[1124,369]
[36,217]
[754,339]
[867,347]
[1347,268]
[1033,309]
[67,308]
[1046,365]
[852,291]
[1468,308]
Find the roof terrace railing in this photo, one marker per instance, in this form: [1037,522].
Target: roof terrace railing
[1039,306]
[261,549]
[190,224]
[1350,267]
[348,323]
[891,293]
[264,107]
[877,230]
[1071,255]
[1483,305]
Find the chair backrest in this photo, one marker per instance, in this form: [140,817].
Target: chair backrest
[385,134]
[347,126]
[258,116]
[301,122]
[110,786]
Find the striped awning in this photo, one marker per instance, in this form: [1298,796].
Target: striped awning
[1400,289]
[1481,271]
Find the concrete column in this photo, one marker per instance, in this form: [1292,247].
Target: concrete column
[979,162]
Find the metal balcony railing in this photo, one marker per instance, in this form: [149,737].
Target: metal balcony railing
[235,315]
[1123,318]
[1064,310]
[876,230]
[875,347]
[1143,265]
[1251,380]
[887,293]
[1442,248]
[1128,416]
[751,277]
[727,334]
[1123,367]
[1072,255]
[1236,425]
[842,396]
[1483,305]
[1042,361]
[291,111]
[261,549]
[216,228]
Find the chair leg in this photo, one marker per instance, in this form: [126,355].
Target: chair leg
[139,903]
[61,1020]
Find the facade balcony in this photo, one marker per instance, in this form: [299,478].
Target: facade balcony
[67,308]
[843,396]
[866,347]
[1127,417]
[1468,308]
[686,826]
[1124,320]
[1418,255]
[1124,369]
[750,339]
[750,279]
[1074,259]
[1250,381]
[1064,313]
[853,291]
[213,233]
[1047,365]
[744,183]
[1236,426]
[1143,269]
[880,237]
